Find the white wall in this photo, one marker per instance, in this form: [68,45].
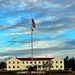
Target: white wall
[57,64]
[22,65]
[14,63]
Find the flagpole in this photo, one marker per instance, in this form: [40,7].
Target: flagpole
[31,37]
[32,45]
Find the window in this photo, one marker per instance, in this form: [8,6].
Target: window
[17,66]
[39,61]
[9,66]
[9,62]
[43,62]
[13,62]
[13,66]
[60,61]
[56,66]
[26,66]
[18,62]
[39,66]
[23,62]
[52,66]
[56,61]
[35,62]
[30,62]
[52,61]
[46,61]
[60,66]
[43,66]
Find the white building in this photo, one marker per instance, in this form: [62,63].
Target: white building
[40,63]
[57,64]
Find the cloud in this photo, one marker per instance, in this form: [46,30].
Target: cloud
[19,42]
[57,25]
[42,12]
[21,23]
[70,43]
[42,52]
[41,44]
[27,43]
[53,18]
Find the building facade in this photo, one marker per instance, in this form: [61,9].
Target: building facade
[40,63]
[57,64]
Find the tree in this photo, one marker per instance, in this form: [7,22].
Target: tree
[69,63]
[2,65]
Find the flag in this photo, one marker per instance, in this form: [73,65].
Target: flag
[32,29]
[33,24]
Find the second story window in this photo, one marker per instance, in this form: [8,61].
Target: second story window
[39,61]
[56,61]
[23,62]
[18,62]
[13,62]
[9,62]
[60,61]
[47,62]
[35,62]
[43,62]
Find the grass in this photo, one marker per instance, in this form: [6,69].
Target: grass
[47,73]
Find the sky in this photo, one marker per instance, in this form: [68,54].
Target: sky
[54,35]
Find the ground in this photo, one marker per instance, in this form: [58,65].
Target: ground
[47,73]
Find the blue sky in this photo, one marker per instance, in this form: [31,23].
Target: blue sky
[54,35]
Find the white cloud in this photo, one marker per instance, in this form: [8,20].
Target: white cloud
[59,53]
[12,20]
[51,17]
[16,33]
[41,44]
[64,53]
[14,49]
[32,0]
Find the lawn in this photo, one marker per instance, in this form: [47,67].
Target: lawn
[46,73]
[43,74]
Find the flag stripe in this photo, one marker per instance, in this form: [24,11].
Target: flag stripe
[32,29]
[33,24]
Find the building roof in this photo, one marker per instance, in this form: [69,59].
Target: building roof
[28,59]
